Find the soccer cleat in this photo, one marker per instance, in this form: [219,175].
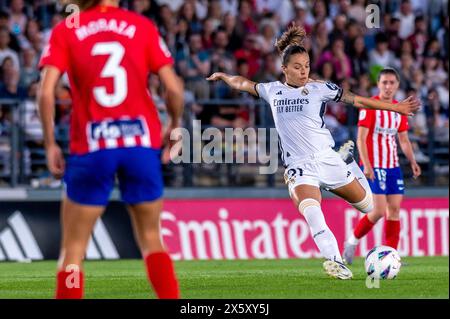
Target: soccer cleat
[337,270]
[349,253]
[346,151]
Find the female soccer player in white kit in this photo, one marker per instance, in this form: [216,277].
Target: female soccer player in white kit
[298,107]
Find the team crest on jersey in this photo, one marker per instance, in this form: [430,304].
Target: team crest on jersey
[305,92]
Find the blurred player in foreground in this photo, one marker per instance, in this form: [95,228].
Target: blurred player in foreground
[115,132]
[377,132]
[298,107]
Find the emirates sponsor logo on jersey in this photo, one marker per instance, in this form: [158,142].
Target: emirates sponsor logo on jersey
[290,105]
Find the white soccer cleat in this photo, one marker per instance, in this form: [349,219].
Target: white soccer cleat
[346,151]
[349,252]
[337,270]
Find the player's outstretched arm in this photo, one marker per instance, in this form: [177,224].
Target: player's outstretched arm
[236,82]
[407,107]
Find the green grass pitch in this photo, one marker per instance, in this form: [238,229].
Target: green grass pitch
[425,277]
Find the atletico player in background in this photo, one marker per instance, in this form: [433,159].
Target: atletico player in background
[377,132]
[115,132]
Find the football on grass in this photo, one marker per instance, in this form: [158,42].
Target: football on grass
[383,262]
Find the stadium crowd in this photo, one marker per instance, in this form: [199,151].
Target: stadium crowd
[238,36]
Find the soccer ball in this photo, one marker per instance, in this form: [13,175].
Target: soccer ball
[382,262]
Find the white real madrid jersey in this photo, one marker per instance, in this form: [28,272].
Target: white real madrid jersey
[298,114]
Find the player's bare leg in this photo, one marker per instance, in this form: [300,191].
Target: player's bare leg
[77,224]
[145,218]
[392,221]
[307,199]
[361,199]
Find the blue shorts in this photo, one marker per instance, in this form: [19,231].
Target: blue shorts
[388,181]
[90,178]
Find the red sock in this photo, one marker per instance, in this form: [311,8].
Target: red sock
[392,233]
[162,276]
[69,285]
[364,226]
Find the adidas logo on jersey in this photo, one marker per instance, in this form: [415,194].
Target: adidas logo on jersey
[279,93]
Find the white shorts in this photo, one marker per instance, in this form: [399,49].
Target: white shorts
[325,170]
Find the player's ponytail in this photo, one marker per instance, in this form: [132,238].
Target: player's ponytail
[291,42]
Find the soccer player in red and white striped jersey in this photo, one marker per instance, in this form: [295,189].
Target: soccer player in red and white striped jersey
[115,132]
[377,145]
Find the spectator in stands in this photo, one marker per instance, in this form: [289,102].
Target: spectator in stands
[336,55]
[5,50]
[251,53]
[230,7]
[419,38]
[233,115]
[4,22]
[194,65]
[34,137]
[215,13]
[147,8]
[357,11]
[222,59]
[300,17]
[363,85]
[187,12]
[319,10]
[437,116]
[267,35]
[339,28]
[29,72]
[327,73]
[9,84]
[270,70]
[321,40]
[433,69]
[407,18]
[166,20]
[245,23]
[234,37]
[406,70]
[359,57]
[207,33]
[201,8]
[380,57]
[18,19]
[392,30]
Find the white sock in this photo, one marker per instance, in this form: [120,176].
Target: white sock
[352,240]
[356,170]
[322,235]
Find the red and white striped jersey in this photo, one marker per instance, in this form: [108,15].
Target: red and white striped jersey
[108,58]
[381,141]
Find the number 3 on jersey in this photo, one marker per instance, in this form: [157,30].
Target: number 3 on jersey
[112,69]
